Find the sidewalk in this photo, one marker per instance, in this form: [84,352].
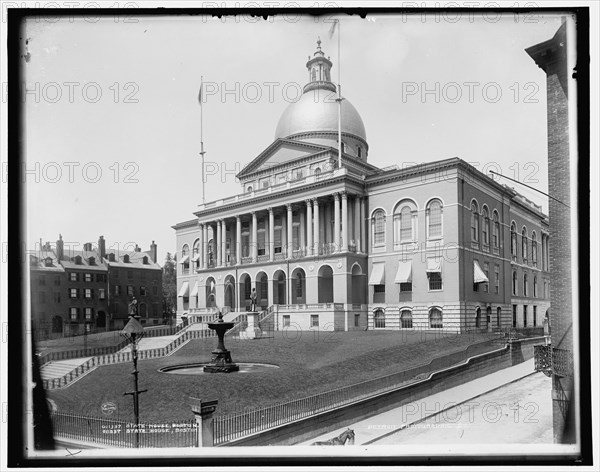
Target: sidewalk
[441,409]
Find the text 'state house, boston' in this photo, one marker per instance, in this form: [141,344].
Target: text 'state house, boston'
[340,244]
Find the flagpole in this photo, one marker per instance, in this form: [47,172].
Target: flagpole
[339,99]
[202,145]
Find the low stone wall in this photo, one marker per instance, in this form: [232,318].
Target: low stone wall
[513,353]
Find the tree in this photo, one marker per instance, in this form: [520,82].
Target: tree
[169,286]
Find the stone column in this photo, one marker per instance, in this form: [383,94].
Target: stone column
[345,231]
[203,412]
[271,234]
[254,237]
[356,232]
[363,225]
[290,233]
[302,242]
[316,226]
[205,246]
[336,221]
[238,239]
[309,227]
[218,244]
[201,246]
[223,242]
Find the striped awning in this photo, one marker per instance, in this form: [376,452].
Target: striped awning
[434,264]
[194,290]
[377,274]
[185,290]
[184,259]
[479,275]
[404,274]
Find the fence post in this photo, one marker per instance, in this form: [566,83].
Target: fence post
[203,412]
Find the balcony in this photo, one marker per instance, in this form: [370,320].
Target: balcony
[553,361]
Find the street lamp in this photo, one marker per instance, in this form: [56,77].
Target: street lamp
[133,332]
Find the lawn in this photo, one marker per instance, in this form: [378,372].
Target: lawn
[310,362]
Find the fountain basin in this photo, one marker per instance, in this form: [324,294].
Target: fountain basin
[198,369]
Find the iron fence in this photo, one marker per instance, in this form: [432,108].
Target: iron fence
[121,433]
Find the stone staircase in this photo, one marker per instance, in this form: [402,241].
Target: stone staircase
[57,369]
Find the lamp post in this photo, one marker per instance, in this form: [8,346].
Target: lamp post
[133,332]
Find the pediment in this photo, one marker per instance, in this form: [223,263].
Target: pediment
[282,151]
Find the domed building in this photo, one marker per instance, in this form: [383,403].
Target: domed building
[332,242]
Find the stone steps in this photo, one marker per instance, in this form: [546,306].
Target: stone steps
[56,369]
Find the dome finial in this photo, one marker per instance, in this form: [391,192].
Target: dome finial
[319,52]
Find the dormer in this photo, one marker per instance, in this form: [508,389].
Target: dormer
[91,260]
[145,260]
[77,260]
[126,258]
[48,262]
[111,257]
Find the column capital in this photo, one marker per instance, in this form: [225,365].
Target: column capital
[237,217]
[308,202]
[288,206]
[336,196]
[315,201]
[344,194]
[253,212]
[270,209]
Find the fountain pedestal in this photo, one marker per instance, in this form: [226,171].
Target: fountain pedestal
[221,361]
[253,331]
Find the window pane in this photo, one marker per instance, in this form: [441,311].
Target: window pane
[435,219]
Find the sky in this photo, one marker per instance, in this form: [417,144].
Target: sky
[112,118]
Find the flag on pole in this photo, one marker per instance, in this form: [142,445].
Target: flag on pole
[200,94]
[332,29]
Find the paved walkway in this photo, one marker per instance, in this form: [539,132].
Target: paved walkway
[480,411]
[56,369]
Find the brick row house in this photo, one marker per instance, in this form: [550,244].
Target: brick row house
[75,291]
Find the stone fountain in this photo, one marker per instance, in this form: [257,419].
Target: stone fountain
[221,360]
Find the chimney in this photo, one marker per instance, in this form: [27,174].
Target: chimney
[153,252]
[60,251]
[101,247]
[137,248]
[87,247]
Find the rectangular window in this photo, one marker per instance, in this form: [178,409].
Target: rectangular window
[497,279]
[87,277]
[534,315]
[524,316]
[286,321]
[314,321]
[261,242]
[100,277]
[74,293]
[296,236]
[406,287]
[514,320]
[356,320]
[57,281]
[42,281]
[89,293]
[143,290]
[277,237]
[101,294]
[74,313]
[88,313]
[486,269]
[73,276]
[435,281]
[117,290]
[379,288]
[130,290]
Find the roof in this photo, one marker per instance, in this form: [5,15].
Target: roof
[135,260]
[37,258]
[68,261]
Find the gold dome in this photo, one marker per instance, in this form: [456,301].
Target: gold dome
[317,111]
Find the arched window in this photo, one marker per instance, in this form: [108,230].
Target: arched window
[478,317]
[405,224]
[359,151]
[317,173]
[498,316]
[406,319]
[434,219]
[496,232]
[534,249]
[211,253]
[379,228]
[249,188]
[486,228]
[535,286]
[525,285]
[379,319]
[513,240]
[524,244]
[474,222]
[435,318]
[185,258]
[299,284]
[196,254]
[514,283]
